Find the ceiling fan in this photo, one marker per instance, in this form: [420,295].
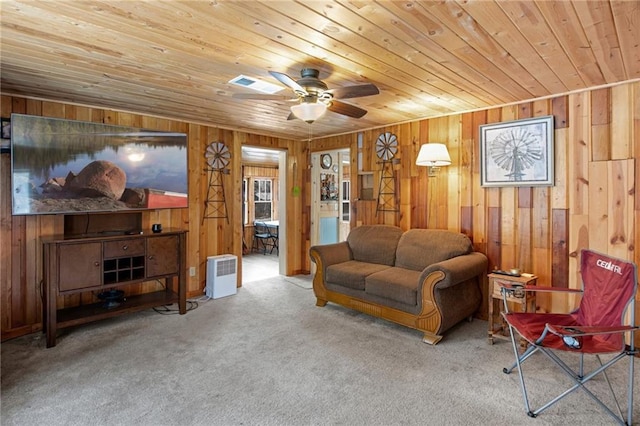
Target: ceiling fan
[314,96]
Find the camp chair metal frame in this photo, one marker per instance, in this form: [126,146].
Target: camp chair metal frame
[567,333]
[263,236]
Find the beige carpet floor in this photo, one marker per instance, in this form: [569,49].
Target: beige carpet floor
[269,356]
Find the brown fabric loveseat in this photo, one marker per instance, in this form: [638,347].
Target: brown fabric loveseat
[427,279]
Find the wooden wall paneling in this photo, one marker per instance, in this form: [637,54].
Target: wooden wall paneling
[636,154]
[560,111]
[298,260]
[18,266]
[494,245]
[53,109]
[453,173]
[600,124]
[438,185]
[198,181]
[564,265]
[599,209]
[541,245]
[579,238]
[621,146]
[409,146]
[418,204]
[508,226]
[6,258]
[466,159]
[423,137]
[233,226]
[6,222]
[21,105]
[479,194]
[579,153]
[405,187]
[559,193]
[620,208]
[368,150]
[32,276]
[524,237]
[420,182]
[465,167]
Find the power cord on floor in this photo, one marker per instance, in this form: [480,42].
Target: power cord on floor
[169,310]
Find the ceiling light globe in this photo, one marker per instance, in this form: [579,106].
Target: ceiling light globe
[309,112]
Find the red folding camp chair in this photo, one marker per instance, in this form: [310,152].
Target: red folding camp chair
[597,327]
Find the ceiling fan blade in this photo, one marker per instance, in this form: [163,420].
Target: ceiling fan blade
[356,91]
[346,109]
[291,116]
[289,82]
[263,97]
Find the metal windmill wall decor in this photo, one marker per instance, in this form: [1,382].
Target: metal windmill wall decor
[386,149]
[218,156]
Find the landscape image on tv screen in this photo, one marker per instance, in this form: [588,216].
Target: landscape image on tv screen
[64,166]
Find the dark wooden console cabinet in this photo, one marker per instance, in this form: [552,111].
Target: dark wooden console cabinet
[96,264]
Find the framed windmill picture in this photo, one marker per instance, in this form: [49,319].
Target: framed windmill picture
[517,153]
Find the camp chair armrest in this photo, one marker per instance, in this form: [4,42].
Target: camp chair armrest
[587,330]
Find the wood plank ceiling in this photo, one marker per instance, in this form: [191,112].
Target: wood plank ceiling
[174,59]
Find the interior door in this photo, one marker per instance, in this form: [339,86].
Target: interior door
[327,192]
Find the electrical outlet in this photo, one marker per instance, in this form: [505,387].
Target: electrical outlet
[192,271]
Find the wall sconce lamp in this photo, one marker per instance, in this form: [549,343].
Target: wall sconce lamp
[434,156]
[309,110]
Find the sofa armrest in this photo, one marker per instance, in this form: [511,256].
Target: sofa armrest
[457,269]
[330,254]
[324,256]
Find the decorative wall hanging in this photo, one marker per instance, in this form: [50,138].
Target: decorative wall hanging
[218,156]
[386,149]
[517,153]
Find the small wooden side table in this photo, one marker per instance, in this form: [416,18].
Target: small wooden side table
[525,302]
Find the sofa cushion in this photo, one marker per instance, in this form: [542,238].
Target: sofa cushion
[419,248]
[374,243]
[398,284]
[352,273]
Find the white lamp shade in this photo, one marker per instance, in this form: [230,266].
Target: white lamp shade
[433,155]
[309,112]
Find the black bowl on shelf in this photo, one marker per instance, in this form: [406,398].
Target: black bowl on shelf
[111,298]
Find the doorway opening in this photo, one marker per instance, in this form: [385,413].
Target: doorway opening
[263,213]
[330,196]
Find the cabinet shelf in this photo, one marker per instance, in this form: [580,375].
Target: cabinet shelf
[83,314]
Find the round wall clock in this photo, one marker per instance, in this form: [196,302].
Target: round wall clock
[325,161]
[386,146]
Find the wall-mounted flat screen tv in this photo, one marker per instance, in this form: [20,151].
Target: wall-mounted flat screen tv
[64,166]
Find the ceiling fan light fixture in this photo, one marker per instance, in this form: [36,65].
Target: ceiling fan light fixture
[309,111]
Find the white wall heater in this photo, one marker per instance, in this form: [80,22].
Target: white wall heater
[222,272]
